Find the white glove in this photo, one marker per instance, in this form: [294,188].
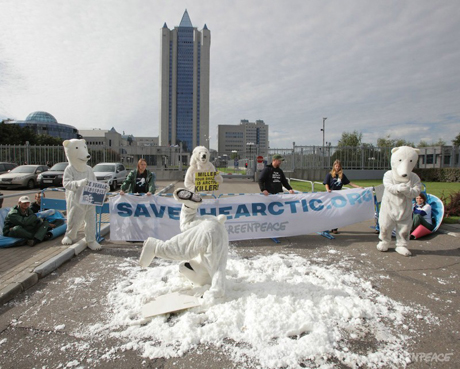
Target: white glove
[82,182]
[403,188]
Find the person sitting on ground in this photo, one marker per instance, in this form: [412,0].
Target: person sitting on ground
[35,206]
[22,222]
[140,180]
[422,213]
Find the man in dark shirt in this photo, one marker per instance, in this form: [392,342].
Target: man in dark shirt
[272,178]
[35,206]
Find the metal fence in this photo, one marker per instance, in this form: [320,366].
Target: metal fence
[297,157]
[30,154]
[314,157]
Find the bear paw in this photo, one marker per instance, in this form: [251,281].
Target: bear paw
[382,246]
[94,245]
[66,241]
[148,252]
[403,251]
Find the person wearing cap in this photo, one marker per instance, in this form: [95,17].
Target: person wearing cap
[22,222]
[272,178]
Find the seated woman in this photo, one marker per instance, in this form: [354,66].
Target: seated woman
[422,213]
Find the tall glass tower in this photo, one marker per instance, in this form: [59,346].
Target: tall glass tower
[184,85]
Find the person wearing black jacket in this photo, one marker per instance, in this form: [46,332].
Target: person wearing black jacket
[272,178]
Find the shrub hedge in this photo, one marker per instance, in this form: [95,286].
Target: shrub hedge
[438,174]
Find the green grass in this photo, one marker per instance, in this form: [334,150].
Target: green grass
[439,189]
[232,170]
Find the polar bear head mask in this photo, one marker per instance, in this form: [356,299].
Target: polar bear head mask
[403,161]
[77,154]
[200,157]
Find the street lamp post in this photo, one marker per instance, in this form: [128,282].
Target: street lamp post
[250,144]
[324,136]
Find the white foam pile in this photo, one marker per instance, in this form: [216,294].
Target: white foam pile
[280,311]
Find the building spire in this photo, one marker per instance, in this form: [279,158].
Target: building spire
[185,22]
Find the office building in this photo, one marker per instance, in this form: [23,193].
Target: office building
[246,139]
[184,85]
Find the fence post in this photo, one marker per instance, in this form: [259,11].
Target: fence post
[293,156]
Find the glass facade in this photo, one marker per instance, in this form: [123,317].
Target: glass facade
[44,123]
[185,85]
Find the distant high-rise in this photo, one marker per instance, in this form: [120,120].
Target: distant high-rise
[184,85]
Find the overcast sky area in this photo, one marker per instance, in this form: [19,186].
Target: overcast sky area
[378,67]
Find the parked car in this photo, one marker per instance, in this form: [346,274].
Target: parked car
[52,177]
[6,167]
[112,173]
[22,176]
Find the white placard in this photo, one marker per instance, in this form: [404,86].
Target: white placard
[169,303]
[93,193]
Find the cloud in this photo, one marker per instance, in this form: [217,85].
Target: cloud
[376,67]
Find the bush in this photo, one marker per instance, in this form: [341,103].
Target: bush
[451,204]
[438,174]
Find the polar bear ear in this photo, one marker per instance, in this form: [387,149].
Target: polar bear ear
[394,150]
[417,151]
[83,140]
[66,143]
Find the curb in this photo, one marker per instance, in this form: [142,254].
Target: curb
[25,280]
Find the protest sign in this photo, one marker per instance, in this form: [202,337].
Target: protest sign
[204,181]
[93,193]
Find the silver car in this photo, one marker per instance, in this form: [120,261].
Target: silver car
[22,176]
[112,173]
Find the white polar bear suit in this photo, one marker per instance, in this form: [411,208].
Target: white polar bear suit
[77,213]
[76,175]
[203,243]
[401,186]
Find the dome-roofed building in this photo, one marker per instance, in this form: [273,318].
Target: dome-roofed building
[42,122]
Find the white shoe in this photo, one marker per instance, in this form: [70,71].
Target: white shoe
[382,246]
[94,246]
[188,198]
[66,241]
[403,251]
[148,252]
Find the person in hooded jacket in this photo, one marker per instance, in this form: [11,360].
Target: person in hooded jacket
[272,178]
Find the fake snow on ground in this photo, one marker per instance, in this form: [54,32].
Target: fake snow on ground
[280,311]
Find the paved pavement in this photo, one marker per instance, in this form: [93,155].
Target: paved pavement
[429,279]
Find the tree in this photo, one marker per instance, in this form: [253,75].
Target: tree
[389,142]
[423,144]
[12,134]
[456,141]
[440,142]
[351,139]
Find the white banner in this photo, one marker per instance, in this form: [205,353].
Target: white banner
[135,218]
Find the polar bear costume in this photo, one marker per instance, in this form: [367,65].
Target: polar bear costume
[199,162]
[401,186]
[76,175]
[202,246]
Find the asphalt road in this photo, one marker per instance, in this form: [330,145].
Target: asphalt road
[42,327]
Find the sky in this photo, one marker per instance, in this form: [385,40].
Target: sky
[378,67]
